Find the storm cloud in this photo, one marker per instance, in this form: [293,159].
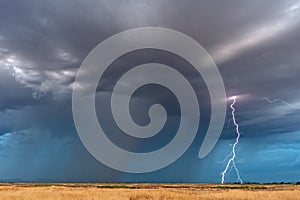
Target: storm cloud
[255,45]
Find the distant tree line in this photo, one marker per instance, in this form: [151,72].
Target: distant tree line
[272,183]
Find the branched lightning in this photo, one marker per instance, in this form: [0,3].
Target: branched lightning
[231,164]
[279,101]
[225,158]
[232,155]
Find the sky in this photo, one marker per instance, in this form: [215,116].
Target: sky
[255,45]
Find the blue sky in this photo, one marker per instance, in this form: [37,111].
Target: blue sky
[255,45]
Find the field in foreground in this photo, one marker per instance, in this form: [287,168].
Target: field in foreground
[146,191]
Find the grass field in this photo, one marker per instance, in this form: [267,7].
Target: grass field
[146,191]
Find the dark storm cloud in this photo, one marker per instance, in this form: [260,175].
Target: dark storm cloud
[42,43]
[46,42]
[15,94]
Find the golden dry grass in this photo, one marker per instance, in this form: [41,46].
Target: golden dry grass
[147,192]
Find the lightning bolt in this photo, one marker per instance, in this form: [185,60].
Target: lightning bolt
[231,164]
[232,155]
[279,101]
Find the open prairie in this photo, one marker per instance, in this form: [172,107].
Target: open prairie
[77,191]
